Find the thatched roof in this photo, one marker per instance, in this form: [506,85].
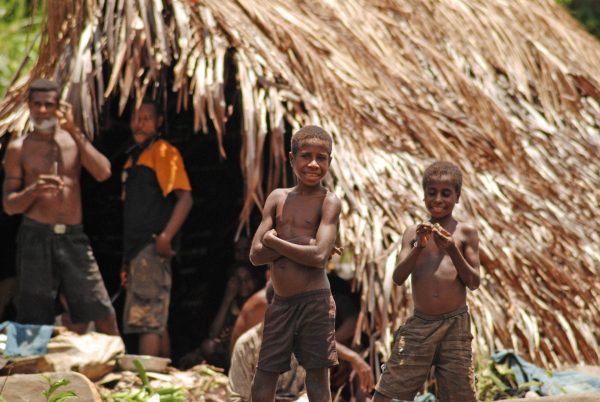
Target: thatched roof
[507,89]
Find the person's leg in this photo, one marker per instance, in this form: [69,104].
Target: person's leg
[317,385]
[65,318]
[408,367]
[37,282]
[149,344]
[107,325]
[82,283]
[79,328]
[264,386]
[454,365]
[8,289]
[165,344]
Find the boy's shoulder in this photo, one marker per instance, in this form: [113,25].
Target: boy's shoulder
[466,226]
[276,196]
[411,228]
[280,192]
[331,197]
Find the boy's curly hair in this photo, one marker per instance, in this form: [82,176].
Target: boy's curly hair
[310,132]
[443,168]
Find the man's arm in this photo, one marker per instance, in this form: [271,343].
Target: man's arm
[231,291]
[253,312]
[409,253]
[91,159]
[315,254]
[466,265]
[16,198]
[360,367]
[178,216]
[260,254]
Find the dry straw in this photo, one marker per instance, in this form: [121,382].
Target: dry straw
[507,89]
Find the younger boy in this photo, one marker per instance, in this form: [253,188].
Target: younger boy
[442,256]
[157,200]
[297,236]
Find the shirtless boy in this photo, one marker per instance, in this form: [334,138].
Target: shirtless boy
[442,256]
[297,236]
[41,181]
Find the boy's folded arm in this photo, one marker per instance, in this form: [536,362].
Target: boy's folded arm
[262,255]
[259,253]
[317,253]
[467,265]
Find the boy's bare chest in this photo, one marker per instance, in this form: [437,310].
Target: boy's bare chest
[434,262]
[298,216]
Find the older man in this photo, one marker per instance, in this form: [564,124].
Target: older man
[42,182]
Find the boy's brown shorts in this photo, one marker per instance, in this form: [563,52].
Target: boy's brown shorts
[423,341]
[148,293]
[303,324]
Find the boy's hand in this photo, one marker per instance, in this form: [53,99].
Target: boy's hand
[313,242]
[443,239]
[423,234]
[163,246]
[269,236]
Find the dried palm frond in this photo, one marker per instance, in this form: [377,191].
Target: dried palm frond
[508,90]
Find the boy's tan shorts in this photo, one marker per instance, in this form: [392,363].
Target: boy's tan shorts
[148,293]
[303,324]
[424,341]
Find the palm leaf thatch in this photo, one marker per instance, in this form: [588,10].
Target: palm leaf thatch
[507,89]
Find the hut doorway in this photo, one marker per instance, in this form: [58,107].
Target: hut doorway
[200,270]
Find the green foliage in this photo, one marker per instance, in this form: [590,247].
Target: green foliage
[147,393]
[587,12]
[498,381]
[20,23]
[53,386]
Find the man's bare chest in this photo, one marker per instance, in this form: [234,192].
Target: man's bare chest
[44,157]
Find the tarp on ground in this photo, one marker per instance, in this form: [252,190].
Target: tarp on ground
[552,382]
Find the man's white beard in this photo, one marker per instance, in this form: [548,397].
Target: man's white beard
[45,125]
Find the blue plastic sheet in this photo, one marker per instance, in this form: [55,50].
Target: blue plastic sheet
[26,339]
[553,383]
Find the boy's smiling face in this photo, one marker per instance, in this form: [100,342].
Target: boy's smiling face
[440,196]
[311,162]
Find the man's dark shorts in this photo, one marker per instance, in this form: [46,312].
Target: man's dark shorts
[58,258]
[148,293]
[303,324]
[423,341]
